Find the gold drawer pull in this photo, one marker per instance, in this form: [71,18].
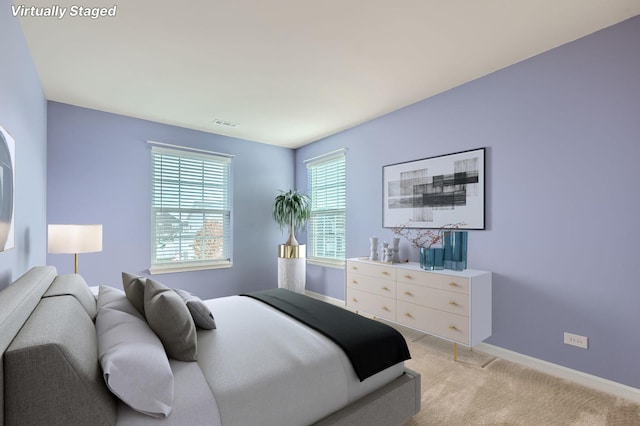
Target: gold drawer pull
[408,293]
[408,315]
[384,308]
[384,273]
[408,277]
[452,303]
[385,288]
[453,327]
[453,285]
[354,268]
[354,299]
[354,281]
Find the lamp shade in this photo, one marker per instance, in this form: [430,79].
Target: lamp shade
[75,238]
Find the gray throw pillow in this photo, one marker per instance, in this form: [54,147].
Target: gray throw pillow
[169,317]
[200,313]
[134,289]
[74,285]
[134,364]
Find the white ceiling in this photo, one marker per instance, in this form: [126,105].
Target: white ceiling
[290,72]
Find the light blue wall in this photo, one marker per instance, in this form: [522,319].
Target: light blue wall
[23,114]
[562,132]
[100,172]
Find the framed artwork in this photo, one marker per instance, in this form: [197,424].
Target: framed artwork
[7,188]
[434,192]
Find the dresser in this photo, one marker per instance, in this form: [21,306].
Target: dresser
[454,305]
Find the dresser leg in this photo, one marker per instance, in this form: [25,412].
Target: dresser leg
[455,352]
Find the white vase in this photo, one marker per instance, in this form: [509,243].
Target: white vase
[388,254]
[396,250]
[374,248]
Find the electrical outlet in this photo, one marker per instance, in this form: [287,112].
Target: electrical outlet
[576,340]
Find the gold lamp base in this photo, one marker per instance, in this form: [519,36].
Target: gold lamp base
[286,251]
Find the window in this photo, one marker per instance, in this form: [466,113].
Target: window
[326,185]
[190,210]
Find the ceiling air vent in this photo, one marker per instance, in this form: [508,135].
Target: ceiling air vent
[224,123]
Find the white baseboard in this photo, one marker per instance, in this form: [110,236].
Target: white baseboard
[324,298]
[584,379]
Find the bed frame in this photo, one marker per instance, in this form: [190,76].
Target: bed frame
[393,404]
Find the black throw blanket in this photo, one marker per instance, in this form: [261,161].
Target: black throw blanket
[370,345]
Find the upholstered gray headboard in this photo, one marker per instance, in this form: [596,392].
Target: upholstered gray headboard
[20,299]
[17,302]
[49,370]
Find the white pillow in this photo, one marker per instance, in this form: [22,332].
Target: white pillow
[134,363]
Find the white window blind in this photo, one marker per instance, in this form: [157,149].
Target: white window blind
[190,208]
[326,185]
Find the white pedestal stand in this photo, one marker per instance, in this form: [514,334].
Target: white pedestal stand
[292,267]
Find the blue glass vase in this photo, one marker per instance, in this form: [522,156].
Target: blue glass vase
[455,250]
[432,259]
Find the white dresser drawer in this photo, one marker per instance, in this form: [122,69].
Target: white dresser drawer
[379,306]
[434,280]
[454,305]
[372,269]
[376,285]
[444,324]
[444,300]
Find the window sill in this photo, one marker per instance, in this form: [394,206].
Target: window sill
[337,264]
[170,269]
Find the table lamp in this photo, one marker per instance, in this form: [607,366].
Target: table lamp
[75,239]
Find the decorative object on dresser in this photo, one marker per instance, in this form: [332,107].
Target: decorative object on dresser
[396,250]
[432,258]
[291,209]
[374,248]
[74,239]
[436,247]
[434,191]
[388,254]
[455,250]
[453,305]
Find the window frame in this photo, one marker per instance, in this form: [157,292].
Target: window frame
[220,164]
[311,165]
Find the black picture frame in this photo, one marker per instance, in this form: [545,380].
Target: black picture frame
[435,192]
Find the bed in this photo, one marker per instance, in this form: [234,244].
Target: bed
[257,366]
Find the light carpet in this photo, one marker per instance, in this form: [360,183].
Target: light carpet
[480,389]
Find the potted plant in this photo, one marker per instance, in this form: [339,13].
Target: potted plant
[291,209]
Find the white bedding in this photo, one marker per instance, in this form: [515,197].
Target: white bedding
[264,368]
[193,402]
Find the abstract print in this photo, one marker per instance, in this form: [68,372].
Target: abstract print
[436,191]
